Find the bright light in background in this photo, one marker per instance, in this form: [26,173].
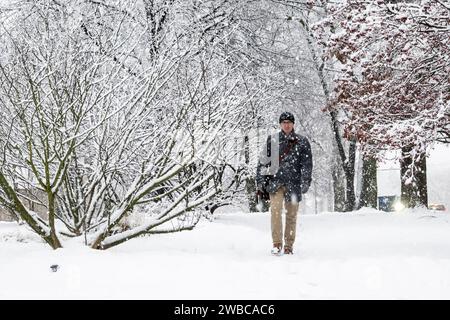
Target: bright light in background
[398,206]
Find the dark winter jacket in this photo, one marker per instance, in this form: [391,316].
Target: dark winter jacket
[295,169]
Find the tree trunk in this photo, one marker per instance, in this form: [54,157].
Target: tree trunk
[413,180]
[21,211]
[51,220]
[350,200]
[369,190]
[348,165]
[250,184]
[338,189]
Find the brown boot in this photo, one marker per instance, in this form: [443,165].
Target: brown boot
[276,250]
[288,250]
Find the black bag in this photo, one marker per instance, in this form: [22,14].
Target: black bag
[263,194]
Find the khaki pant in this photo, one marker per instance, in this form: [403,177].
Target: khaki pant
[276,206]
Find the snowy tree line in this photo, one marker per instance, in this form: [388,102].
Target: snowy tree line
[118,108]
[126,117]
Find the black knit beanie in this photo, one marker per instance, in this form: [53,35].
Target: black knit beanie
[287,116]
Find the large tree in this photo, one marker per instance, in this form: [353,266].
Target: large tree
[394,88]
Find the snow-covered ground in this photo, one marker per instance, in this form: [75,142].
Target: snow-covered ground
[361,255]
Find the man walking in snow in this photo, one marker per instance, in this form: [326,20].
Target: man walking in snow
[284,171]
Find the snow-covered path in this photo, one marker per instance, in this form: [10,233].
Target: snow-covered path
[360,255]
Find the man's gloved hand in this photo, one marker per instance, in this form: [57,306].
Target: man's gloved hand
[260,194]
[305,188]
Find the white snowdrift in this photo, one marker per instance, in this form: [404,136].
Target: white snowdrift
[360,255]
